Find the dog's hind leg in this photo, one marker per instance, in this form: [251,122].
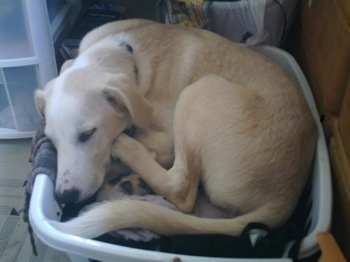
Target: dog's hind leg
[217,128]
[191,125]
[180,183]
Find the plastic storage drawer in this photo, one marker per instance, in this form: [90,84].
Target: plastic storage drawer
[27,62]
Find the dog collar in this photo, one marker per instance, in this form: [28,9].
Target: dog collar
[129,48]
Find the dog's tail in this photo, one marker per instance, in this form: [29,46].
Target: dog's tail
[120,214]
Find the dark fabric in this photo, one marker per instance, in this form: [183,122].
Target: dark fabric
[43,158]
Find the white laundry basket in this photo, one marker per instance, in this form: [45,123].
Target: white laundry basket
[42,206]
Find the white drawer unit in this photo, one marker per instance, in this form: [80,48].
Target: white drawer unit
[27,62]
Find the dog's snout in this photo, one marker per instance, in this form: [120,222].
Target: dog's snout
[69,196]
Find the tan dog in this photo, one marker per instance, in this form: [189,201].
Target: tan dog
[216,113]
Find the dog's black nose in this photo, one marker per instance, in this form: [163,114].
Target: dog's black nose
[67,196]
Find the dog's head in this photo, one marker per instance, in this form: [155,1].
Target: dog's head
[85,109]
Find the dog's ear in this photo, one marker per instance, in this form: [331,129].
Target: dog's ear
[124,99]
[39,99]
[67,64]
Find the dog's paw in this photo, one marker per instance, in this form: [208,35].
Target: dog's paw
[127,149]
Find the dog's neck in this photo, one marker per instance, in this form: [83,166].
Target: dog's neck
[142,60]
[129,48]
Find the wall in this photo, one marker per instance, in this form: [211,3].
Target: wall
[321,44]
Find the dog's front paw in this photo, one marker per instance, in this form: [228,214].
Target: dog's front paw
[127,149]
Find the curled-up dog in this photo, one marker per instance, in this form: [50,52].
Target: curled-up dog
[206,111]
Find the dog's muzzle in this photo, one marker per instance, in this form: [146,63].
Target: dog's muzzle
[68,196]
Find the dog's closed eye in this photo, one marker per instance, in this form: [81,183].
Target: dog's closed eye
[85,136]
